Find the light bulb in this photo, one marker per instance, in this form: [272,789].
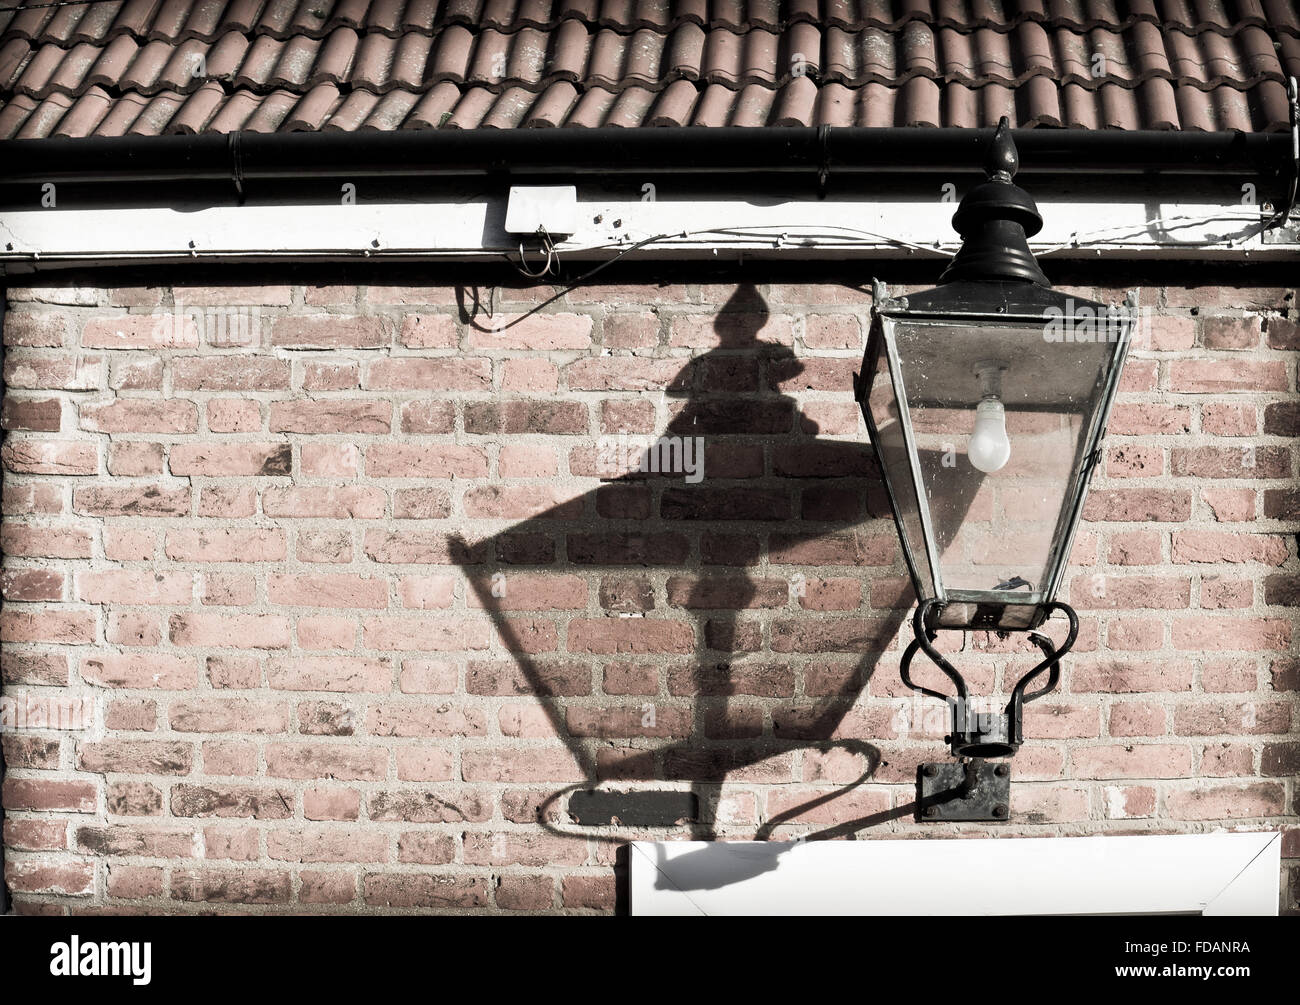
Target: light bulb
[989,447]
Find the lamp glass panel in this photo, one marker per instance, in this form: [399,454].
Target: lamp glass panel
[1000,532]
[890,442]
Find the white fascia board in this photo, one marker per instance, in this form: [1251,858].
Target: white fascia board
[1229,873]
[1201,220]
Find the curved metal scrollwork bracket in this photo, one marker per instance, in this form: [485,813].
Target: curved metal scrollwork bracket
[986,734]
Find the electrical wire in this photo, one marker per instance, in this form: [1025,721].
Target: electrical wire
[1134,229]
[784,233]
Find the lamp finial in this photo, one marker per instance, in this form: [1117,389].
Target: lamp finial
[1004,160]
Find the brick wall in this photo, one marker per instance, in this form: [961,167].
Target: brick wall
[333,593]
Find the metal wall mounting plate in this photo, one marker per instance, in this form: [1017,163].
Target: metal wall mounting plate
[963,790]
[1285,233]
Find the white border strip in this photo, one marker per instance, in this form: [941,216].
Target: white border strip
[1213,874]
[456,224]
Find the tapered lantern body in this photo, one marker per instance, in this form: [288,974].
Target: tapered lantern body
[987,403]
[986,399]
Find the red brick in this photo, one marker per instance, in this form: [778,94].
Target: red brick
[1218,592]
[327,591]
[239,801]
[230,459]
[240,372]
[1230,632]
[37,415]
[134,799]
[429,331]
[329,331]
[1226,802]
[322,803]
[135,882]
[410,460]
[121,586]
[424,890]
[132,500]
[1137,505]
[326,887]
[319,376]
[44,372]
[525,893]
[25,328]
[1148,418]
[234,296]
[1154,760]
[43,541]
[1230,419]
[1246,461]
[60,794]
[1225,760]
[347,845]
[625,374]
[232,415]
[225,545]
[1124,676]
[518,417]
[332,632]
[425,720]
[330,460]
[520,502]
[529,375]
[140,670]
[61,627]
[326,760]
[129,628]
[31,585]
[428,416]
[137,757]
[240,631]
[1230,332]
[136,373]
[422,805]
[595,893]
[1136,718]
[1230,505]
[429,374]
[1205,376]
[1098,592]
[331,416]
[141,331]
[231,886]
[520,764]
[424,764]
[133,459]
[25,455]
[140,415]
[46,876]
[228,501]
[228,715]
[131,714]
[536,332]
[1231,719]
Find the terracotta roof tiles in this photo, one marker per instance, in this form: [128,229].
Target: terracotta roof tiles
[218,65]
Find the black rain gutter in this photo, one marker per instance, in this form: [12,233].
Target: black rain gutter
[825,152]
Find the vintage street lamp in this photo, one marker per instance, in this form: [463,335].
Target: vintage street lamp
[987,399]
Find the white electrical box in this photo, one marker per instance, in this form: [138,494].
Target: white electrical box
[551,208]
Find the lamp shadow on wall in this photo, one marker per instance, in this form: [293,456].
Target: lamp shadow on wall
[642,523]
